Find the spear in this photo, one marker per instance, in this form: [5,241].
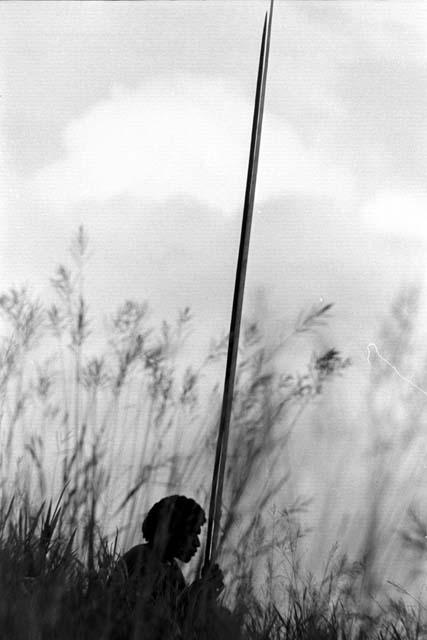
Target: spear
[236,314]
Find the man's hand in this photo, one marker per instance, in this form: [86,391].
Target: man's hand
[206,589]
[213,578]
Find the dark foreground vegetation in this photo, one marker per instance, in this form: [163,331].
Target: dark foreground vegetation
[48,591]
[63,525]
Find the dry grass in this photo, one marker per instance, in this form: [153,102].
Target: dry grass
[66,414]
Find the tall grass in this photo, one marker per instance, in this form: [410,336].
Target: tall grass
[91,436]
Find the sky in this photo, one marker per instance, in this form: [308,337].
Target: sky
[134,119]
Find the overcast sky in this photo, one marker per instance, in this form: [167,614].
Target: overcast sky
[133,118]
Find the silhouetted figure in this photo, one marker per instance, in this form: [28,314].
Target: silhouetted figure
[162,605]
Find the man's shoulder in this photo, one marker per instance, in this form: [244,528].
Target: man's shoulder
[137,558]
[138,551]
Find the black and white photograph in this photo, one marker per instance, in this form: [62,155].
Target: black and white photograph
[213,320]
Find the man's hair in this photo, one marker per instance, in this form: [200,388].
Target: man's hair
[179,513]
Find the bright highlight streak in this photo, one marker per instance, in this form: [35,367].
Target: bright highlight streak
[373,346]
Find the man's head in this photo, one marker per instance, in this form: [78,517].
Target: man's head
[173,526]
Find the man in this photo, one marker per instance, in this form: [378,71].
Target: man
[163,606]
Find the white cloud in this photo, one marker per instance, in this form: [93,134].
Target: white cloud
[392,29]
[397,212]
[187,135]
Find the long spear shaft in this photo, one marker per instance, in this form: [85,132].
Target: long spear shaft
[236,315]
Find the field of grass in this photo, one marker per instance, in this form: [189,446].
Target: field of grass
[75,484]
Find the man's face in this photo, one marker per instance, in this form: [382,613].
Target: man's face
[186,547]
